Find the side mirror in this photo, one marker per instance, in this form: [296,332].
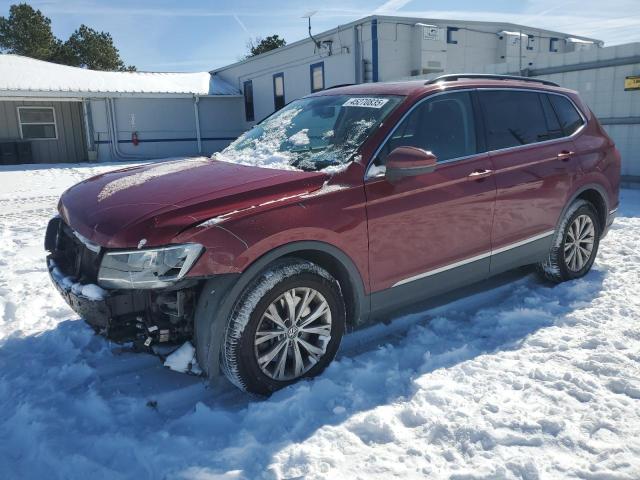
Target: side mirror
[409,162]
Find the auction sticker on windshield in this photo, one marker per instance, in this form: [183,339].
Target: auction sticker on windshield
[365,102]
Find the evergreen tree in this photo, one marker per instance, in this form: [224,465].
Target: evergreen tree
[262,45]
[95,50]
[27,32]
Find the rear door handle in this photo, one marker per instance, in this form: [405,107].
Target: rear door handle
[565,155]
[480,173]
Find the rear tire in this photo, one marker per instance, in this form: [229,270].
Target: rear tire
[286,325]
[575,244]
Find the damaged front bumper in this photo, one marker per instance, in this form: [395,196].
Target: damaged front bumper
[118,316]
[148,317]
[123,315]
[95,309]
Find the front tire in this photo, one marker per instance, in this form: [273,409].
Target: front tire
[286,325]
[575,244]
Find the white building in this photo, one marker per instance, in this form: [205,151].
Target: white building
[381,48]
[53,113]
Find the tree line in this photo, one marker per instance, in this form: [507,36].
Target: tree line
[27,32]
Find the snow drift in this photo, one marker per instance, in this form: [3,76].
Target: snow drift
[522,380]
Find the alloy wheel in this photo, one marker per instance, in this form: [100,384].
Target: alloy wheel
[293,334]
[578,243]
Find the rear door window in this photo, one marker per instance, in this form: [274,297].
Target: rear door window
[513,118]
[443,125]
[570,119]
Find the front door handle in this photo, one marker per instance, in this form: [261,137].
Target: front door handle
[565,155]
[480,173]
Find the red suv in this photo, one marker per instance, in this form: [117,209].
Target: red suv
[338,209]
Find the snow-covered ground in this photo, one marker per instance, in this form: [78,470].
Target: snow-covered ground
[521,380]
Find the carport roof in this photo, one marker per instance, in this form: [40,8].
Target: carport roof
[23,76]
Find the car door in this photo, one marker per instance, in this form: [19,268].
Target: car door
[534,168]
[431,232]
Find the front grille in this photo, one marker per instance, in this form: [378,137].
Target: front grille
[70,254]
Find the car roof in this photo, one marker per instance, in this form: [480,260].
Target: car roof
[418,87]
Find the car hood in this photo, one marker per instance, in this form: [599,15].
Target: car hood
[157,201]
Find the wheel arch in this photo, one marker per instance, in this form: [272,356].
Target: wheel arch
[594,194]
[213,310]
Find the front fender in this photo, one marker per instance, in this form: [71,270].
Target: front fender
[337,218]
[331,223]
[220,293]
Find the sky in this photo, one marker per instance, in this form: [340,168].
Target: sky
[199,35]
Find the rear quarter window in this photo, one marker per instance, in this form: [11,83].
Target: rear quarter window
[553,124]
[570,119]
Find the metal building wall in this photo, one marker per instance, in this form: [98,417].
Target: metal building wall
[294,62]
[166,127]
[69,147]
[599,76]
[377,48]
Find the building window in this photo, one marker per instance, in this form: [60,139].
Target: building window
[450,31]
[37,123]
[317,77]
[248,101]
[531,41]
[278,91]
[553,44]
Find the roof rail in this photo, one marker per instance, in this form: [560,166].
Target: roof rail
[340,85]
[458,76]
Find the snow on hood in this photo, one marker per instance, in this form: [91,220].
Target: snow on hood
[143,176]
[156,201]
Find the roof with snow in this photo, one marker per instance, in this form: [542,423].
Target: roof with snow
[26,76]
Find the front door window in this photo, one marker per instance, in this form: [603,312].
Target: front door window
[442,125]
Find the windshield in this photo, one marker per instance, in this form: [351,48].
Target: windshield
[316,133]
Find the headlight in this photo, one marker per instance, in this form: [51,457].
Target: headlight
[148,268]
